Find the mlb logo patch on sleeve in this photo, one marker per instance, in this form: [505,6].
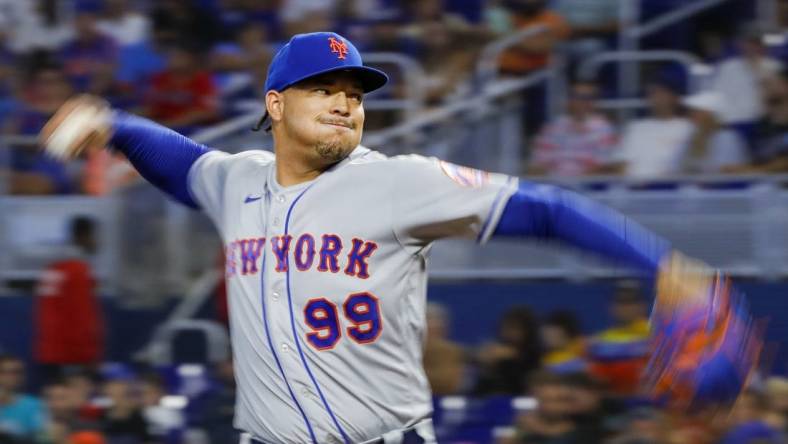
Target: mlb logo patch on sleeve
[467,177]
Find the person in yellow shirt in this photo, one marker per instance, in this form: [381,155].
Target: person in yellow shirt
[618,354]
[563,343]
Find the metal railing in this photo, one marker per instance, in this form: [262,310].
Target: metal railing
[697,70]
[633,31]
[739,229]
[502,99]
[487,69]
[671,18]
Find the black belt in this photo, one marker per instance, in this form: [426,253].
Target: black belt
[409,436]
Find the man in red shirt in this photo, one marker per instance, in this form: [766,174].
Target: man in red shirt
[184,95]
[68,321]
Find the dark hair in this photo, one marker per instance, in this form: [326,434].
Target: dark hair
[566,321]
[261,122]
[524,318]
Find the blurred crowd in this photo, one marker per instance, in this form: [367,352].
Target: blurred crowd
[188,64]
[582,387]
[586,386]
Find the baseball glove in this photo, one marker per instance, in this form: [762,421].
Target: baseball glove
[705,342]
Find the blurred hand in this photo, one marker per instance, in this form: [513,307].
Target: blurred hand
[81,124]
[683,282]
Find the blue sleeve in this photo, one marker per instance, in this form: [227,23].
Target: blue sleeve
[162,156]
[549,212]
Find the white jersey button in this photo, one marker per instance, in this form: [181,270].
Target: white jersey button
[280,199]
[285,348]
[275,296]
[276,221]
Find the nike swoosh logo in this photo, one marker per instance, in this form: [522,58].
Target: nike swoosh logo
[250,199]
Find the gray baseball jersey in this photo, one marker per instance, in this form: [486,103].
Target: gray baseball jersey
[327,285]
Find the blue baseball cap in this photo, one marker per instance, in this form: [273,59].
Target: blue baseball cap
[309,55]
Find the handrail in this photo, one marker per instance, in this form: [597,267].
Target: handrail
[412,71]
[493,91]
[8,140]
[230,126]
[632,32]
[487,67]
[671,17]
[590,66]
[195,297]
[681,179]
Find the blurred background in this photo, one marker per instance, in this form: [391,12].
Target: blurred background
[113,321]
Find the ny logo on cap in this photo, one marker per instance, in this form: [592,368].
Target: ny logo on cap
[338,47]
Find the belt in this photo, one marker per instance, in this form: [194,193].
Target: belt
[409,436]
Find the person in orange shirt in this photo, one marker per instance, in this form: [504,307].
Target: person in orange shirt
[533,52]
[68,321]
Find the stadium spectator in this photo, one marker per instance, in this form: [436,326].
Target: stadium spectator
[237,13]
[563,343]
[62,405]
[43,91]
[90,60]
[123,421]
[241,66]
[594,24]
[68,326]
[8,79]
[37,25]
[577,143]
[642,425]
[533,52]
[126,26]
[82,384]
[776,389]
[183,96]
[33,173]
[654,146]
[712,148]
[551,421]
[590,409]
[218,417]
[771,150]
[747,421]
[22,417]
[163,422]
[619,353]
[86,437]
[445,44]
[504,365]
[740,79]
[174,20]
[444,360]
